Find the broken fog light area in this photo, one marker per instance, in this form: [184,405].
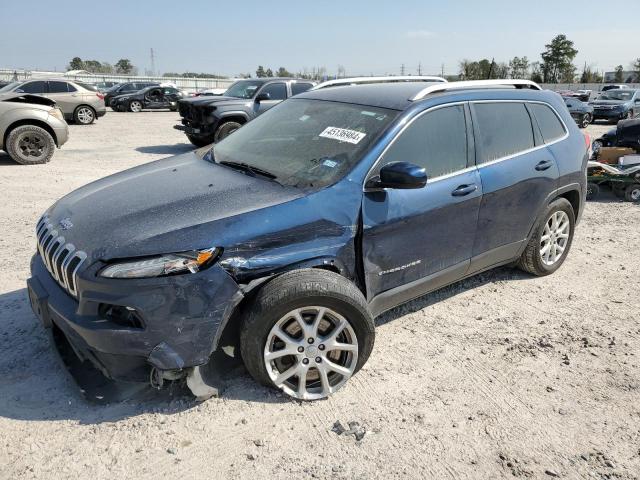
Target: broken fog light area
[124,316]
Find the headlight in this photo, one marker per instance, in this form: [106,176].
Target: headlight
[172,264]
[57,113]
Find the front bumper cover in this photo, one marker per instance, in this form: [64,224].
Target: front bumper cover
[183,318]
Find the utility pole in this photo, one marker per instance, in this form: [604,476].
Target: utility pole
[402,69]
[153,63]
[442,71]
[419,68]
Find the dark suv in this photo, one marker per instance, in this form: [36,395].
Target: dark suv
[617,104]
[282,242]
[208,119]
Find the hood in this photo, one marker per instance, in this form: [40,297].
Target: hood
[165,206]
[27,98]
[215,100]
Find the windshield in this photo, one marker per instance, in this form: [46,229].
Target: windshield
[11,86]
[306,143]
[617,95]
[244,89]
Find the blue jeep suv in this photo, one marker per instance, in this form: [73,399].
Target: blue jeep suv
[282,242]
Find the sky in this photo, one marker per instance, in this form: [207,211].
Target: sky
[366,37]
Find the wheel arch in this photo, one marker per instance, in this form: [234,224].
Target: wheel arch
[29,121]
[229,332]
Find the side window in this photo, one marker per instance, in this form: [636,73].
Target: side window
[436,141]
[297,88]
[170,91]
[276,91]
[71,88]
[505,129]
[550,125]
[58,87]
[127,87]
[34,87]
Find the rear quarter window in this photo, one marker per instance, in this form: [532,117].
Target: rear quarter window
[550,125]
[504,128]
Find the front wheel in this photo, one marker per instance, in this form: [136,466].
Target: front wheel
[551,240]
[30,145]
[307,332]
[225,129]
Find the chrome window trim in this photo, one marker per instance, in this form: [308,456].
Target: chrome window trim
[529,150]
[393,140]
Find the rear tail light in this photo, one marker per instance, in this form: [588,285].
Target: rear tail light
[100,96]
[587,141]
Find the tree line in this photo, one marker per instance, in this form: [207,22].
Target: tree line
[555,66]
[122,66]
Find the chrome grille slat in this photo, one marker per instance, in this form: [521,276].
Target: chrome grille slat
[59,256]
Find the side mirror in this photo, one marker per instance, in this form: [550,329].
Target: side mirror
[263,96]
[401,175]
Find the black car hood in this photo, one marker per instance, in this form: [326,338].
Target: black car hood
[215,100]
[165,206]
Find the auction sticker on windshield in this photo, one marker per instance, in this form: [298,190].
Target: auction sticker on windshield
[343,134]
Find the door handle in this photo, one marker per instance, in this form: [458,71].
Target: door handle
[543,165]
[463,190]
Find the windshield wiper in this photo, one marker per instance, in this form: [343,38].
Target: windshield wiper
[245,167]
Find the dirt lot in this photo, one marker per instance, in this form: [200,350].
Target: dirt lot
[498,376]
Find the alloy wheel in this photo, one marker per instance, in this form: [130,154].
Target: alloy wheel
[135,106]
[85,115]
[586,120]
[311,352]
[31,144]
[555,237]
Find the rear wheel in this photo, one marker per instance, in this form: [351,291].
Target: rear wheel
[225,129]
[135,106]
[551,240]
[30,145]
[632,193]
[307,332]
[200,141]
[84,115]
[586,120]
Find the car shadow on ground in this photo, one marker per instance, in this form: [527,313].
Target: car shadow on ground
[167,149]
[36,383]
[5,159]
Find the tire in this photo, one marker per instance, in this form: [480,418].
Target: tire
[25,141]
[135,106]
[201,141]
[632,193]
[84,115]
[310,294]
[593,190]
[225,129]
[532,260]
[585,121]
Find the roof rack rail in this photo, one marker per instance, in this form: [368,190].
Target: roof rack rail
[389,79]
[474,84]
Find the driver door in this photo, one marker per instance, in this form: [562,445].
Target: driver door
[415,239]
[274,93]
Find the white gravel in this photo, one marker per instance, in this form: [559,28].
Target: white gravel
[498,376]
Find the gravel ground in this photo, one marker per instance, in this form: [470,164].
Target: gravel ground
[498,376]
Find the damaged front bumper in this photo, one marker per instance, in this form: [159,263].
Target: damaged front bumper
[169,324]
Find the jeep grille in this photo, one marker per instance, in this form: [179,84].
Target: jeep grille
[61,259]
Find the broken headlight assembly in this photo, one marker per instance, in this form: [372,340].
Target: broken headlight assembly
[163,265]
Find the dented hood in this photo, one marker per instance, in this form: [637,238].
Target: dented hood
[175,204]
[27,98]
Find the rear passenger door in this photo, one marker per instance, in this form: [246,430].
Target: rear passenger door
[64,94]
[518,174]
